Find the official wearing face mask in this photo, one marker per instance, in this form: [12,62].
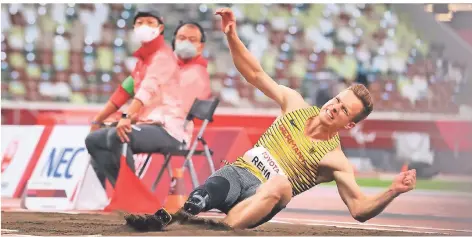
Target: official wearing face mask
[188,44]
[156,107]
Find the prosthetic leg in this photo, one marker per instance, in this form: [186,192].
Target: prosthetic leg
[204,198]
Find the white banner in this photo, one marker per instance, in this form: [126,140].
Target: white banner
[61,180]
[58,175]
[18,145]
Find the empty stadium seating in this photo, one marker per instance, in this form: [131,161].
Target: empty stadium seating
[79,53]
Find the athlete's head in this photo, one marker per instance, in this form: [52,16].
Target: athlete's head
[347,108]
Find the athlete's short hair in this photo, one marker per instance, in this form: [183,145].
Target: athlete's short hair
[363,94]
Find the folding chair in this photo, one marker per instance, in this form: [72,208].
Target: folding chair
[203,110]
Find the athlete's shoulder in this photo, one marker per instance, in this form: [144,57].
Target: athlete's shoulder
[336,160]
[294,99]
[291,93]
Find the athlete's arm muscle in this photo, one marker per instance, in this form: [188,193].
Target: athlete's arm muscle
[252,71]
[361,207]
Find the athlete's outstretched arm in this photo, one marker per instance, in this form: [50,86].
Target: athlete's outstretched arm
[246,63]
[361,206]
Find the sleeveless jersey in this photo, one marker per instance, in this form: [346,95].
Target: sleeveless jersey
[296,153]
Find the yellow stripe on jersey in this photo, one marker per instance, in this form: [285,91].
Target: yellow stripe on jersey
[297,154]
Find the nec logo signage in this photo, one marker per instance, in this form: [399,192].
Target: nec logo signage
[59,162]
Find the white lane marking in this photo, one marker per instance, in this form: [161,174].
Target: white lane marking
[351,225]
[377,225]
[282,222]
[371,228]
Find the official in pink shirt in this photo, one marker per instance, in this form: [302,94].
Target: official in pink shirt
[157,106]
[188,44]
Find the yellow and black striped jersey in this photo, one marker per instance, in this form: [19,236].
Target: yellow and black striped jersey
[296,153]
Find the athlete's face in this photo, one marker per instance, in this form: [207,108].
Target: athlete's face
[339,112]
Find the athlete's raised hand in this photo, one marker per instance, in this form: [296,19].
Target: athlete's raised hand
[228,21]
[404,182]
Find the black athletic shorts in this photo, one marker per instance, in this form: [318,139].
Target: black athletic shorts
[243,184]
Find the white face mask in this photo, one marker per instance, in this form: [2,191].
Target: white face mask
[185,49]
[145,33]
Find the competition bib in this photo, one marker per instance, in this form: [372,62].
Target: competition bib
[261,159]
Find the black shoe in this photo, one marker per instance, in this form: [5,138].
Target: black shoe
[164,216]
[196,204]
[146,222]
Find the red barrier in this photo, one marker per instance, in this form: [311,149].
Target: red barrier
[230,136]
[445,135]
[256,125]
[457,135]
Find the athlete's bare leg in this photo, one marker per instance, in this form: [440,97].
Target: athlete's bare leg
[277,191]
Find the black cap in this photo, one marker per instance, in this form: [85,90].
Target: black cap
[147,11]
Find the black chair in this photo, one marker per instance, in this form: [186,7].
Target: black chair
[203,110]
